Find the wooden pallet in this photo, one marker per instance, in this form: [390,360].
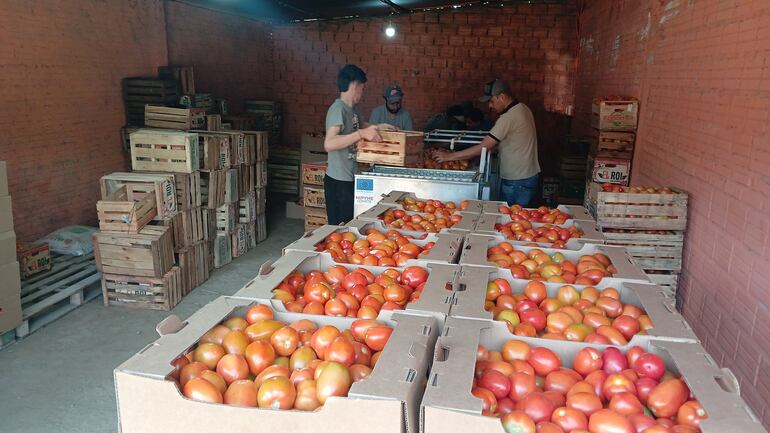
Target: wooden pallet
[71,282]
[164,150]
[609,144]
[657,252]
[120,214]
[193,263]
[149,293]
[139,184]
[638,211]
[147,254]
[397,148]
[213,185]
[173,118]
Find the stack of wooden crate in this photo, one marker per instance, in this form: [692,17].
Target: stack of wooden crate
[572,170]
[10,279]
[614,121]
[313,195]
[140,91]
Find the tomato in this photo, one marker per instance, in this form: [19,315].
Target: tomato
[258,313]
[611,307]
[626,325]
[617,383]
[534,317]
[241,393]
[525,330]
[496,382]
[535,291]
[505,405]
[518,422]
[612,334]
[567,294]
[558,322]
[215,379]
[537,406]
[262,330]
[587,361]
[322,338]
[285,341]
[233,367]
[276,393]
[626,403]
[597,379]
[235,342]
[179,362]
[544,361]
[359,372]
[556,398]
[353,279]
[341,350]
[377,337]
[190,371]
[515,349]
[586,402]
[413,276]
[613,360]
[306,396]
[209,354]
[650,365]
[691,413]
[272,371]
[301,375]
[607,421]
[522,384]
[334,381]
[641,422]
[560,381]
[259,355]
[201,389]
[488,400]
[236,323]
[644,386]
[301,358]
[569,419]
[548,427]
[664,401]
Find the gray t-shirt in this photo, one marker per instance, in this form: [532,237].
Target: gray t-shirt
[342,163]
[401,120]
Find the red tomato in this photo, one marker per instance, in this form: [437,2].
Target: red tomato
[334,380]
[633,354]
[241,393]
[276,393]
[515,349]
[488,400]
[588,403]
[587,361]
[650,365]
[341,350]
[543,360]
[285,341]
[522,384]
[259,355]
[413,276]
[258,313]
[641,422]
[201,389]
[307,398]
[537,406]
[233,367]
[190,371]
[496,382]
[613,360]
[617,383]
[607,421]
[691,413]
[209,354]
[664,401]
[518,422]
[377,337]
[560,381]
[626,403]
[644,386]
[322,338]
[505,406]
[179,362]
[534,317]
[627,325]
[569,419]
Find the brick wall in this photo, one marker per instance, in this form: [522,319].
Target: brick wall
[231,55]
[439,59]
[701,71]
[61,62]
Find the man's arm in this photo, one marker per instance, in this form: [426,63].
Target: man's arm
[336,141]
[488,142]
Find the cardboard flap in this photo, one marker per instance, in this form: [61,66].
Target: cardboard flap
[625,265]
[715,388]
[667,322]
[468,223]
[577,212]
[436,298]
[475,250]
[170,325]
[470,293]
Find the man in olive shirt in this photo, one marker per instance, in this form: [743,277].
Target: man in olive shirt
[344,127]
[514,133]
[392,111]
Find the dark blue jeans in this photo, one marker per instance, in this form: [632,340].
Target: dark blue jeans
[520,191]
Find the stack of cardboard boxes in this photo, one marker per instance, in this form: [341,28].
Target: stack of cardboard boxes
[614,122]
[313,171]
[10,278]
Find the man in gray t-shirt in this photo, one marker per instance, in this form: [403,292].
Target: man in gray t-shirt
[344,127]
[392,111]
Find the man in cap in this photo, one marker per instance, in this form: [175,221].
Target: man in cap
[392,112]
[516,139]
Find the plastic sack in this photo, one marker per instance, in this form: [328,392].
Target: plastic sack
[71,240]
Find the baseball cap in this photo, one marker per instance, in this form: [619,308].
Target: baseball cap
[494,88]
[393,93]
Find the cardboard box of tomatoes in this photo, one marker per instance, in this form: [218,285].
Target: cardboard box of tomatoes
[478,251]
[325,395]
[613,309]
[395,217]
[582,230]
[400,198]
[428,247]
[420,287]
[575,386]
[499,207]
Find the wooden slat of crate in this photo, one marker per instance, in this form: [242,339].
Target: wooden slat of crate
[188,228]
[184,75]
[667,280]
[213,184]
[397,148]
[173,118]
[251,234]
[313,174]
[260,200]
[314,197]
[222,250]
[227,218]
[240,241]
[150,253]
[611,144]
[213,122]
[231,185]
[154,293]
[640,211]
[260,174]
[188,190]
[209,218]
[245,179]
[216,149]
[119,214]
[247,208]
[139,184]
[261,227]
[314,218]
[193,264]
[164,150]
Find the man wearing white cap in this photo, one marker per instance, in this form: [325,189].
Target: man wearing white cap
[515,136]
[392,112]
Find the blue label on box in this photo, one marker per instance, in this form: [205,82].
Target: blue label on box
[365,184]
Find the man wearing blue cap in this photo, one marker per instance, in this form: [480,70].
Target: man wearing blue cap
[515,137]
[392,111]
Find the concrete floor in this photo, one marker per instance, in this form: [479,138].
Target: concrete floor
[60,377]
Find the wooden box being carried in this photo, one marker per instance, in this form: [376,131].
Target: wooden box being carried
[152,293]
[164,150]
[174,118]
[120,214]
[398,148]
[150,253]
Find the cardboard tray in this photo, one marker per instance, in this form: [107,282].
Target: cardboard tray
[148,403]
[447,246]
[486,225]
[574,244]
[577,212]
[397,198]
[448,404]
[467,224]
[363,225]
[476,245]
[434,301]
[471,293]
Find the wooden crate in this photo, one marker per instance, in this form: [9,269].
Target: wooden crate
[188,226]
[608,170]
[245,179]
[260,200]
[188,190]
[120,214]
[638,211]
[260,174]
[238,147]
[213,122]
[283,178]
[140,91]
[150,253]
[651,251]
[397,148]
[610,144]
[314,197]
[261,228]
[193,265]
[209,223]
[227,218]
[615,114]
[231,185]
[313,173]
[314,218]
[215,149]
[164,150]
[139,184]
[572,167]
[152,293]
[669,280]
[184,75]
[240,241]
[213,184]
[247,208]
[174,118]
[222,250]
[33,258]
[251,234]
